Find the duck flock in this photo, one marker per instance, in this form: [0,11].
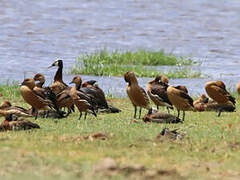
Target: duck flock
[59,100]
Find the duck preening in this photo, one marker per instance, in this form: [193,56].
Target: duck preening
[6,108]
[217,91]
[206,104]
[91,87]
[136,94]
[178,96]
[160,117]
[84,102]
[157,91]
[12,122]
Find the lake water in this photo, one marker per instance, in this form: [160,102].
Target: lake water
[34,33]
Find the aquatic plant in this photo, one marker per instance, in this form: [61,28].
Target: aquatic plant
[142,62]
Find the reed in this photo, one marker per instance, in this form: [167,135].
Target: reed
[142,62]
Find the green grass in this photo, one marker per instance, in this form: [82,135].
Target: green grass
[210,149]
[103,63]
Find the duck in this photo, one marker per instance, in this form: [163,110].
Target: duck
[12,122]
[58,84]
[84,102]
[91,88]
[7,108]
[200,104]
[36,100]
[157,91]
[49,94]
[160,117]
[178,96]
[217,91]
[207,104]
[100,97]
[136,94]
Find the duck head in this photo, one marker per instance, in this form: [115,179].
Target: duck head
[77,80]
[29,82]
[5,104]
[130,77]
[39,77]
[161,78]
[11,117]
[57,62]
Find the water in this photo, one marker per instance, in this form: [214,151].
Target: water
[34,33]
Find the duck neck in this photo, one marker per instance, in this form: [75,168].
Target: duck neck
[58,75]
[133,81]
[78,86]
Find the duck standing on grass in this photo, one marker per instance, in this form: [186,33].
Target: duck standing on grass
[217,91]
[136,94]
[34,99]
[12,122]
[178,96]
[58,84]
[84,102]
[157,91]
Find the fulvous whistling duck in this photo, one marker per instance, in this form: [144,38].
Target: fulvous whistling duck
[206,104]
[46,92]
[100,98]
[238,87]
[217,91]
[12,122]
[83,101]
[58,84]
[37,101]
[7,108]
[91,88]
[136,93]
[178,96]
[160,117]
[157,91]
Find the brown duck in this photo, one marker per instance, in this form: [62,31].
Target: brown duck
[157,91]
[58,84]
[84,102]
[12,122]
[37,101]
[206,104]
[160,117]
[136,94]
[6,108]
[99,97]
[217,91]
[91,88]
[47,93]
[178,96]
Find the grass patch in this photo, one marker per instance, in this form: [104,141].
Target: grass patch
[103,63]
[210,149]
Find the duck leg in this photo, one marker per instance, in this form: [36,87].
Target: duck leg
[178,113]
[80,116]
[140,111]
[36,115]
[157,107]
[85,116]
[135,112]
[183,116]
[219,112]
